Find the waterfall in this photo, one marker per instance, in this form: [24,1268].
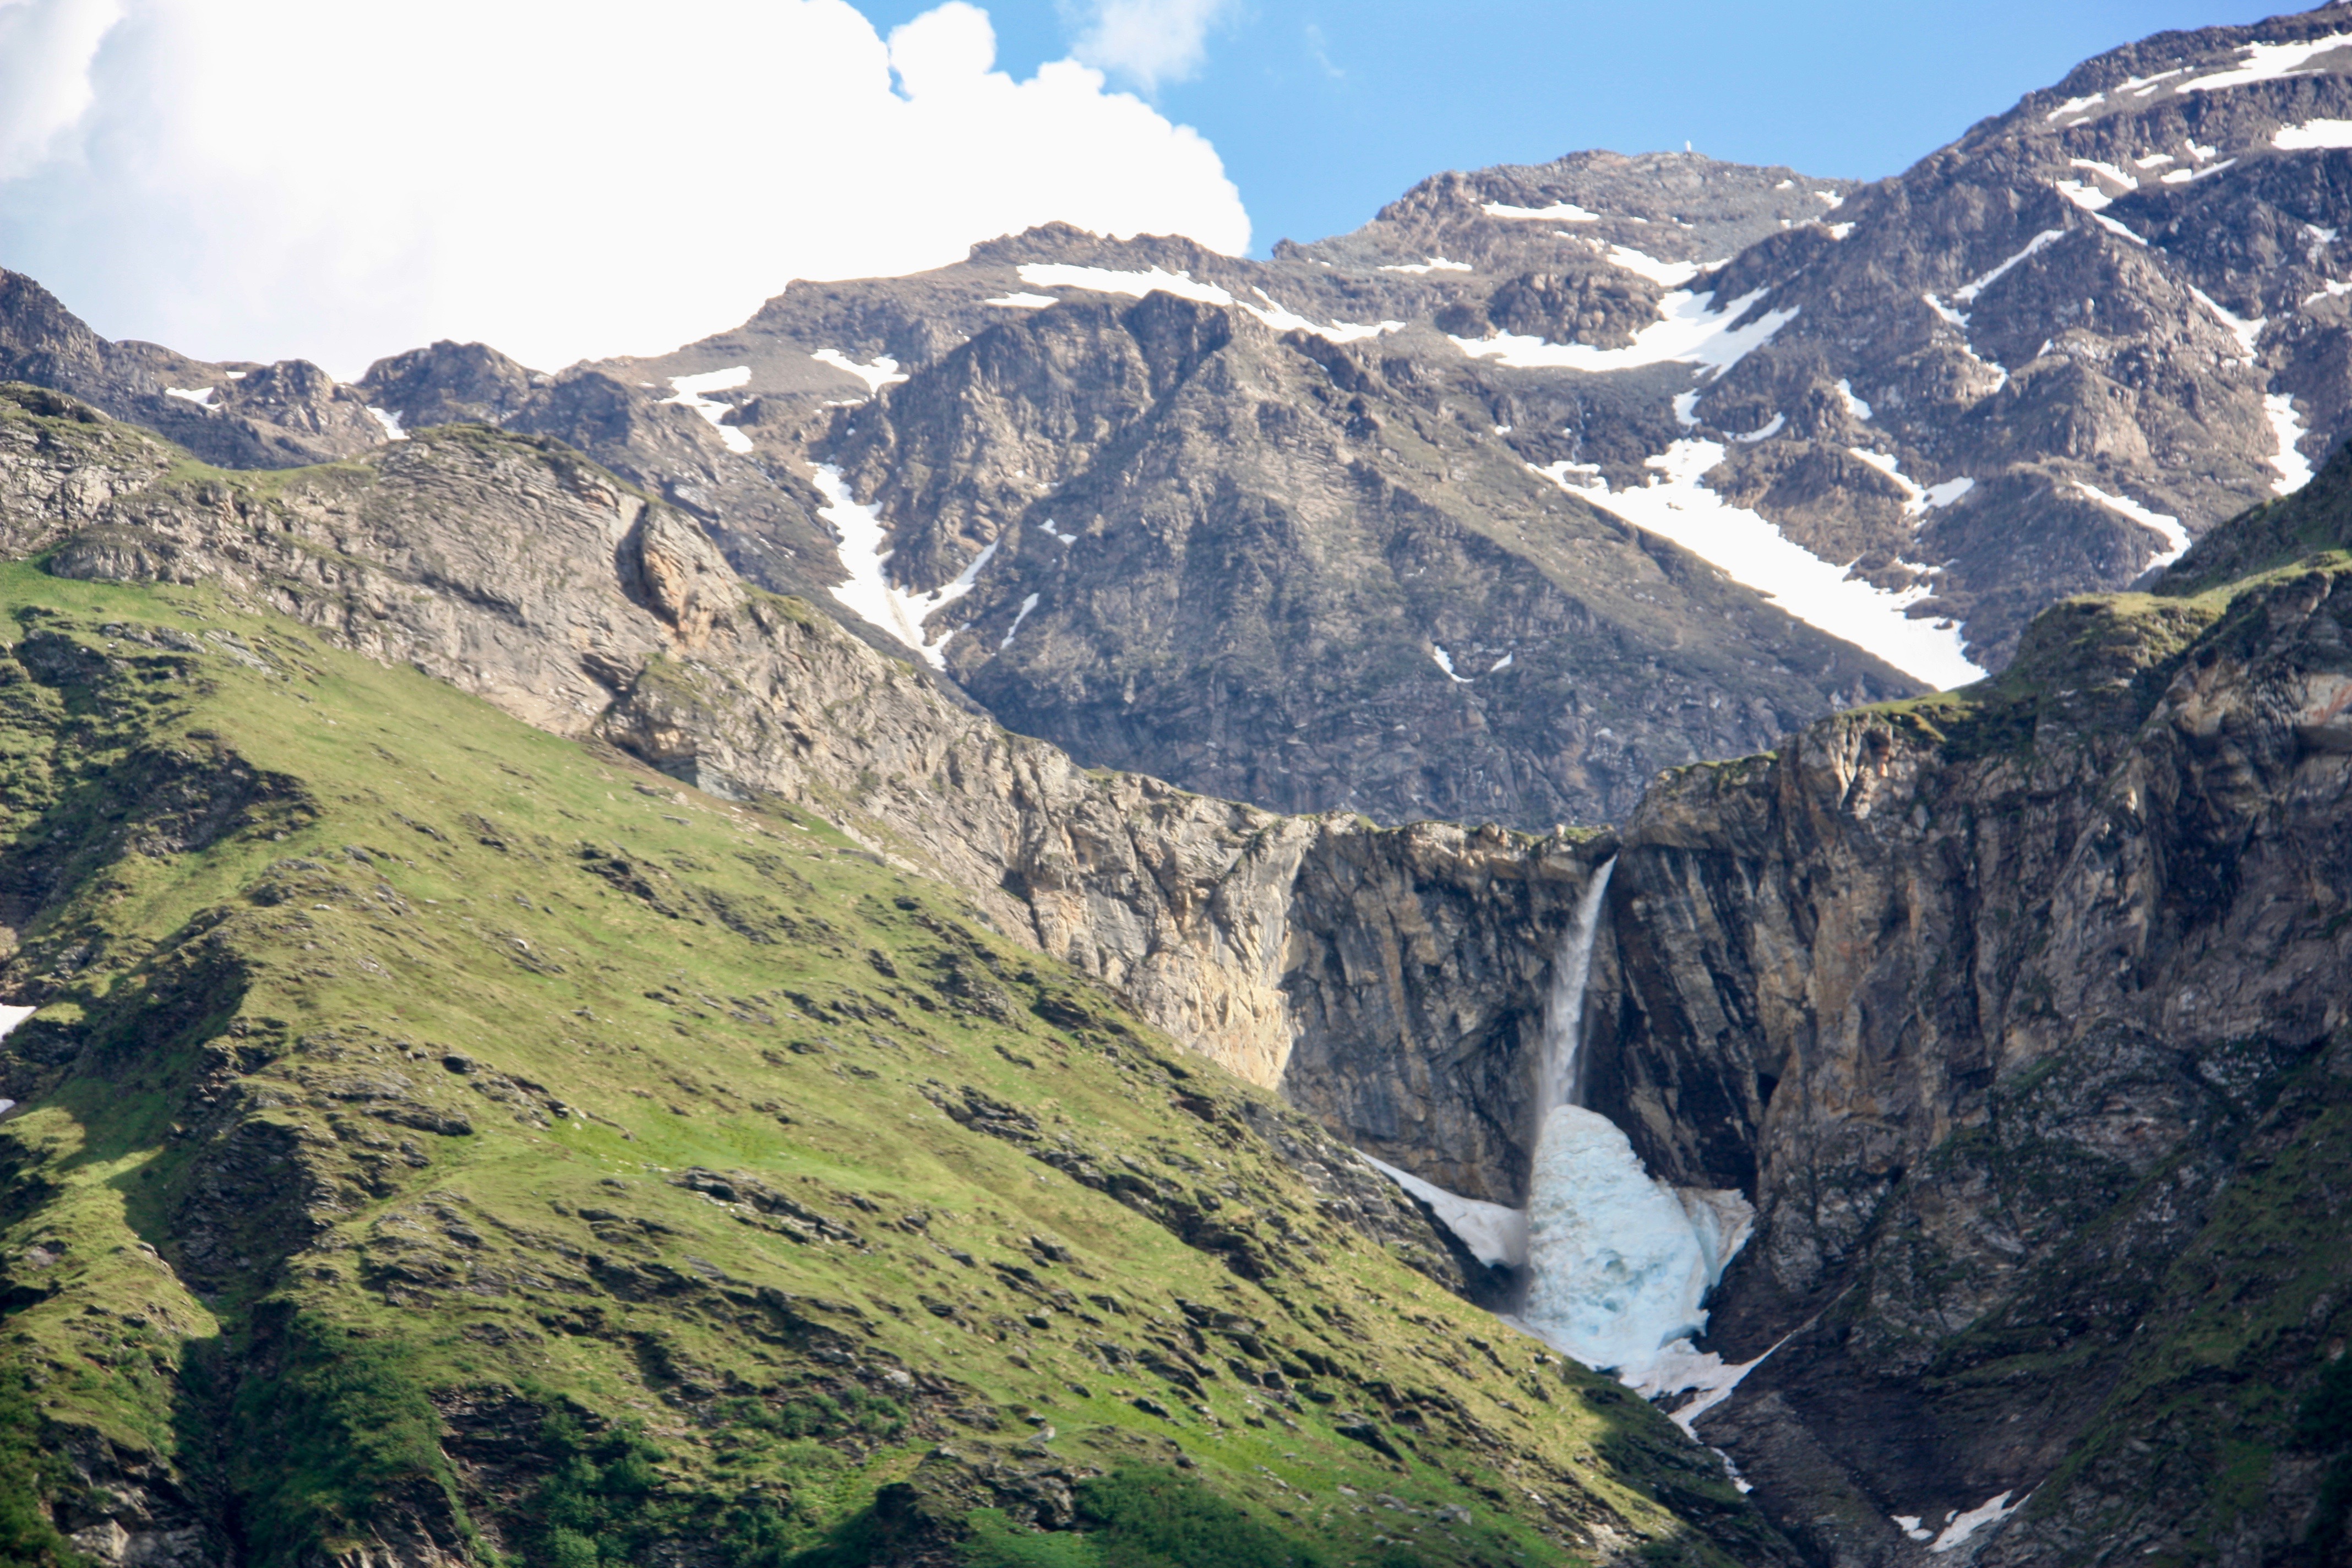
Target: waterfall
[1559,1078]
[1618,1261]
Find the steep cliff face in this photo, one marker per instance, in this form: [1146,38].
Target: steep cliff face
[518,572]
[2021,1012]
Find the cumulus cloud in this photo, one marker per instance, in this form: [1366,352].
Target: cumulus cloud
[335,180]
[1152,41]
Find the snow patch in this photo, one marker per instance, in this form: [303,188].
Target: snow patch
[1434,263]
[1957,320]
[1686,411]
[1159,281]
[10,1017]
[1502,664]
[2175,538]
[1497,1237]
[2294,467]
[864,555]
[2269,62]
[1445,662]
[1967,294]
[1918,499]
[1854,405]
[1021,301]
[1964,1525]
[2108,170]
[1559,212]
[1754,551]
[882,372]
[2247,332]
[1779,422]
[2313,135]
[689,391]
[1670,274]
[2090,198]
[1840,230]
[201,397]
[390,421]
[1909,1523]
[1027,605]
[2076,106]
[1688,332]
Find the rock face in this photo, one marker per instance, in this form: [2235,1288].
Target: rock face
[1408,469]
[518,572]
[2023,1012]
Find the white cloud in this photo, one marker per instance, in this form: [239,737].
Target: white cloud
[1152,41]
[264,178]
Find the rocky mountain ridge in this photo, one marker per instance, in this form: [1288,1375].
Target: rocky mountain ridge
[1493,425]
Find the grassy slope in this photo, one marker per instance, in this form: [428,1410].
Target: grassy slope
[381,1033]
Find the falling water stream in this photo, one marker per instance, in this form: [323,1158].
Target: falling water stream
[1618,1261]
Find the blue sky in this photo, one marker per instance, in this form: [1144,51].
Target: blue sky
[1323,110]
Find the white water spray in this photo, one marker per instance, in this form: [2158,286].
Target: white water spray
[1561,1075]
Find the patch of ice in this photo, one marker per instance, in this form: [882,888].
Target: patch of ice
[2076,106]
[1027,605]
[1964,1525]
[2294,467]
[2313,135]
[2248,334]
[1967,294]
[2269,62]
[1680,1369]
[1779,422]
[390,421]
[1559,212]
[1445,662]
[2175,538]
[1502,664]
[1618,1261]
[1670,274]
[1754,551]
[1854,405]
[1434,263]
[866,554]
[1495,1236]
[882,372]
[201,397]
[2189,177]
[1688,332]
[1021,301]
